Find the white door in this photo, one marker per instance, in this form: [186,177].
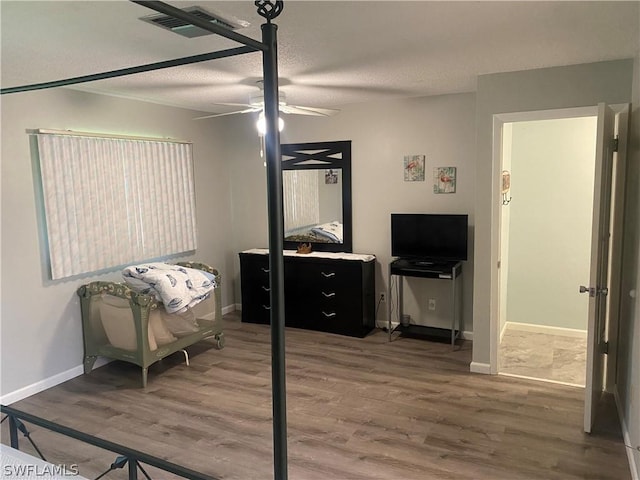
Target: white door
[598,279]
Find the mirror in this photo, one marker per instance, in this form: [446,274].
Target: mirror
[316,188]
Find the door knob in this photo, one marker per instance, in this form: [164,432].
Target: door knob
[590,290]
[594,291]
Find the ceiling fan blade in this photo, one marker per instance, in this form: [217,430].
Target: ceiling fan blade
[246,105]
[298,110]
[247,110]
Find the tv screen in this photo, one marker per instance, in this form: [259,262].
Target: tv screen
[429,237]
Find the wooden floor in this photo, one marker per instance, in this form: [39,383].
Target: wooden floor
[358,409]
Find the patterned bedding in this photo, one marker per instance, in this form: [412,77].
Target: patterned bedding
[177,287]
[325,233]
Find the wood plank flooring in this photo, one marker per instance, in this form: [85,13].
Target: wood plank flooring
[357,409]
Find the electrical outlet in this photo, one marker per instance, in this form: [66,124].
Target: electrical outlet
[432,304]
[383,297]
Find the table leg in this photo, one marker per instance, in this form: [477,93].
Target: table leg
[455,306]
[389,305]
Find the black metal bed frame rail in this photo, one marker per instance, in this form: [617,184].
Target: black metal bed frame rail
[127,456]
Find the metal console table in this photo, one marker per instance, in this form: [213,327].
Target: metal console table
[450,271]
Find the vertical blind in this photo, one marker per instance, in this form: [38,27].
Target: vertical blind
[114,201]
[301,205]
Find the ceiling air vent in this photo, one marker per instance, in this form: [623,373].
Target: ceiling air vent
[187,30]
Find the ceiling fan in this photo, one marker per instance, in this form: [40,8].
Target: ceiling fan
[256,105]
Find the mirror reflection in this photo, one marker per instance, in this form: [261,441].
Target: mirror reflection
[313,205]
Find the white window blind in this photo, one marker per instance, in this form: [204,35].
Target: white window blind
[114,201]
[300,192]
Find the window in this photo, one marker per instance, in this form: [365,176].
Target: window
[114,201]
[300,193]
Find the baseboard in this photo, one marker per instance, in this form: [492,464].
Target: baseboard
[230,308]
[530,327]
[546,380]
[504,329]
[50,382]
[477,367]
[465,335]
[635,469]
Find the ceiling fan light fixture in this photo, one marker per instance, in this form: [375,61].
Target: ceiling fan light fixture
[261,124]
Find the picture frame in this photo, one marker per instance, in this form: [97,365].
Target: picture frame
[414,168]
[444,180]
[330,177]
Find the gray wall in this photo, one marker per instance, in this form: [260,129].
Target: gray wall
[628,374]
[441,127]
[562,87]
[548,88]
[41,329]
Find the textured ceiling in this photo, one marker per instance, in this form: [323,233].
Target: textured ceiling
[330,53]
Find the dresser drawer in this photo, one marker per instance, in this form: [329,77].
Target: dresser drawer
[332,275]
[336,319]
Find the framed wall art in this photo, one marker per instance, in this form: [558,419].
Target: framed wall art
[414,168]
[444,180]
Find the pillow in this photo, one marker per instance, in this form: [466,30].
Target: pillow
[160,331]
[117,321]
[180,324]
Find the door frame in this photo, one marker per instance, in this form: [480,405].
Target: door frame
[621,112]
[498,122]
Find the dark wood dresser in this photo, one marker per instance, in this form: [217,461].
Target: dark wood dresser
[330,292]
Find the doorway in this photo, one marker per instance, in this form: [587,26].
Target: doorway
[545,243]
[603,287]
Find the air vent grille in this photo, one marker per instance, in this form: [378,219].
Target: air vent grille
[185,29]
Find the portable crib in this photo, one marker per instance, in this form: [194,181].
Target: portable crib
[121,324]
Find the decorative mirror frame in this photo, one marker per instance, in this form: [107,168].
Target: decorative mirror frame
[324,156]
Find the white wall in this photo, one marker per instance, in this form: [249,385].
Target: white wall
[442,128]
[41,334]
[552,173]
[542,89]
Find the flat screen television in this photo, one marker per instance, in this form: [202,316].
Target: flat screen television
[429,238]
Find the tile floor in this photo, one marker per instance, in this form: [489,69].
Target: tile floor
[543,356]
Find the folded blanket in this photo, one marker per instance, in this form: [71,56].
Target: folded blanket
[332,231]
[176,287]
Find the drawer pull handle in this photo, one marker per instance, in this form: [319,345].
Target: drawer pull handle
[266,289]
[329,315]
[328,275]
[329,295]
[266,307]
[265,270]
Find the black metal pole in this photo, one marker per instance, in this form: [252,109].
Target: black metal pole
[276,243]
[133,470]
[130,70]
[13,432]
